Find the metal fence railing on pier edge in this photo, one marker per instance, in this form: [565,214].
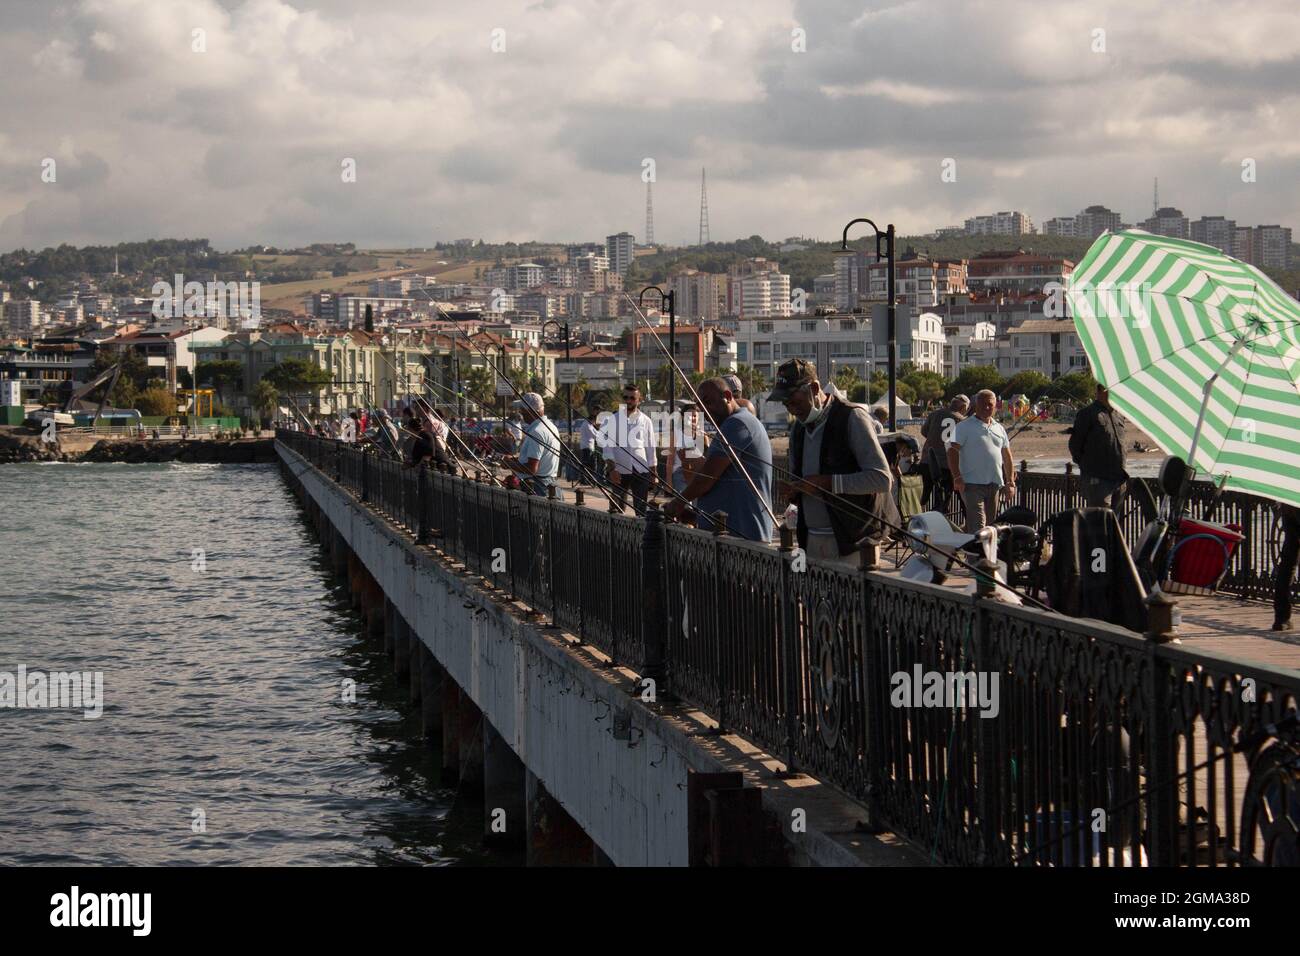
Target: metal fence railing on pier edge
[1100,747]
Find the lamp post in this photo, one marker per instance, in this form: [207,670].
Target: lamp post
[568,388]
[885,248]
[671,299]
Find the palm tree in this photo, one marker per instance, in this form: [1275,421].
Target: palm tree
[265,398]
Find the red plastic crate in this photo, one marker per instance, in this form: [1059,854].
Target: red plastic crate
[1200,563]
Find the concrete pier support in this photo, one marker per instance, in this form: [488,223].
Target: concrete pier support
[431,681]
[339,554]
[554,837]
[413,657]
[398,639]
[505,786]
[450,733]
[471,748]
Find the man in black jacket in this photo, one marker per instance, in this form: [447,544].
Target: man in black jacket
[1097,447]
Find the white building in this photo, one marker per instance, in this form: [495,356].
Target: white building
[973,344]
[760,294]
[1000,224]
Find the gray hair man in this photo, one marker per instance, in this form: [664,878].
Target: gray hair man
[937,431]
[840,475]
[979,457]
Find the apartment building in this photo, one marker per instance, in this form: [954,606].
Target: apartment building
[851,278]
[619,248]
[919,281]
[759,294]
[1168,221]
[1000,224]
[1216,231]
[1015,273]
[700,296]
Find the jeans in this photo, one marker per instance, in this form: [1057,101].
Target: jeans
[981,505]
[535,485]
[1102,492]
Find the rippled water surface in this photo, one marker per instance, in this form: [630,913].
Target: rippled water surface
[223,686]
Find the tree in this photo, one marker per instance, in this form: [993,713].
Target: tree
[846,376]
[219,375]
[1079,388]
[156,401]
[480,386]
[297,375]
[1030,382]
[265,398]
[135,372]
[927,386]
[975,378]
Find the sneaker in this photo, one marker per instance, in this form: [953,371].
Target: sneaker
[1283,626]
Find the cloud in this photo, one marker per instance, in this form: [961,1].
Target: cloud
[242,140]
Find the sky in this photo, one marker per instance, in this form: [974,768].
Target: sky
[235,120]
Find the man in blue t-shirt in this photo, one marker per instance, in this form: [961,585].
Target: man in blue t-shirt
[718,484]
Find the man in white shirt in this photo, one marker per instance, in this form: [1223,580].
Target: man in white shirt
[690,446]
[628,441]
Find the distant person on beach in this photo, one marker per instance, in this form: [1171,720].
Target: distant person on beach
[979,457]
[1097,447]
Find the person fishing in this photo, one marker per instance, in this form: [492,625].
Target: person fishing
[840,477]
[538,461]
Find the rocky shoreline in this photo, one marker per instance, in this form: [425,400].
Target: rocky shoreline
[30,448]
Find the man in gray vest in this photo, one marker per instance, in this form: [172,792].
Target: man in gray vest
[840,476]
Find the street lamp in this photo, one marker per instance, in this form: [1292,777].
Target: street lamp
[568,388]
[885,248]
[671,299]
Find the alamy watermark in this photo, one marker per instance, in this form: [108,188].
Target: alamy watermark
[198,300]
[946,689]
[55,690]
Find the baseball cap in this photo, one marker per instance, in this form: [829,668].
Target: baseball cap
[733,383]
[532,401]
[790,377]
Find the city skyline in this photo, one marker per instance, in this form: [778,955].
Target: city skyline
[512,120]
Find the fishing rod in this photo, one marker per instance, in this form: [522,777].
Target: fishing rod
[563,447]
[405,380]
[696,396]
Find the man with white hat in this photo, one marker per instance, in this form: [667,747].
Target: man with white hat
[538,461]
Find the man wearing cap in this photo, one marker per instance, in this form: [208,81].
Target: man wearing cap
[628,440]
[840,475]
[538,462]
[733,382]
[938,430]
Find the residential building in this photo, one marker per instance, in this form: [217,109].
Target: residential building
[1216,231]
[760,294]
[918,280]
[1273,247]
[47,365]
[1050,346]
[619,248]
[1015,273]
[691,346]
[851,278]
[22,317]
[1168,221]
[969,344]
[700,296]
[1061,226]
[1000,224]
[167,349]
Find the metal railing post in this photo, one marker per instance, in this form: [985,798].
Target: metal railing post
[365,477]
[550,554]
[787,643]
[654,594]
[1162,746]
[719,529]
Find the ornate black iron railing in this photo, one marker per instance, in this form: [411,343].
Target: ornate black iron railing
[988,734]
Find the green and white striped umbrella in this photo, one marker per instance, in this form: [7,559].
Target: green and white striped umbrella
[1200,350]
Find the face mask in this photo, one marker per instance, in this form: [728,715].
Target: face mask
[814,415]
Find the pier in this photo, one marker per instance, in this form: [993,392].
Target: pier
[628,691]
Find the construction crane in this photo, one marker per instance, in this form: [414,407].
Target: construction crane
[62,415]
